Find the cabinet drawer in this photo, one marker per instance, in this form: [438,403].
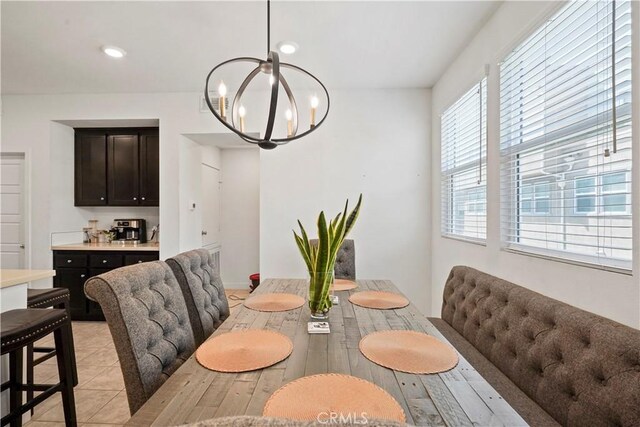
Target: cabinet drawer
[70,260]
[105,260]
[139,259]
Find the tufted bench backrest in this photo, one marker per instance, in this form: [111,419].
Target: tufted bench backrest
[345,267]
[581,368]
[203,291]
[149,324]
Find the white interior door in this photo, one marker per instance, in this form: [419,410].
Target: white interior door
[12,230]
[210,205]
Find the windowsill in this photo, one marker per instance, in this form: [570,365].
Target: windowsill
[541,253]
[479,242]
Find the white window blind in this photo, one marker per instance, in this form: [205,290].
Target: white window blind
[463,164]
[565,137]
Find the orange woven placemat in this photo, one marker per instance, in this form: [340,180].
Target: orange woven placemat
[274,302]
[408,351]
[241,351]
[317,397]
[379,299]
[343,285]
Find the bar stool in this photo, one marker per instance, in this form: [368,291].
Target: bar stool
[21,327]
[47,298]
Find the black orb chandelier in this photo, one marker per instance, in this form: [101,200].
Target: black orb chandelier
[273,68]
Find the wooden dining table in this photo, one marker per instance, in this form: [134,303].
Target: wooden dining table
[458,397]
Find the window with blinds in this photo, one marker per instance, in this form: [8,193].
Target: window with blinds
[565,137]
[463,164]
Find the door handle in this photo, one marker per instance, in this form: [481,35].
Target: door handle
[21,245]
[204,233]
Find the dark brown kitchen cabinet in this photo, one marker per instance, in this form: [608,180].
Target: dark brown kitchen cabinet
[117,167]
[73,268]
[73,279]
[149,168]
[123,170]
[90,169]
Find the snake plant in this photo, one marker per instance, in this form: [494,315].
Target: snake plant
[321,258]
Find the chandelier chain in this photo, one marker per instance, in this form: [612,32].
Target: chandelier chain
[268,26]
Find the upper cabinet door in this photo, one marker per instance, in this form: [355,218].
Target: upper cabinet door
[90,169]
[122,160]
[149,168]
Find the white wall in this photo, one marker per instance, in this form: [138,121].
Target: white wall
[375,143]
[240,216]
[612,295]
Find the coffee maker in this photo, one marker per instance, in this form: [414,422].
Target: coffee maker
[130,230]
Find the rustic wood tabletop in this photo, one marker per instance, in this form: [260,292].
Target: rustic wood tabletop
[459,397]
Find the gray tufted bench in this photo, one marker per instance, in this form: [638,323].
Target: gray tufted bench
[554,363]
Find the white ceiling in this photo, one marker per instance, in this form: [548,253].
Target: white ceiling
[54,47]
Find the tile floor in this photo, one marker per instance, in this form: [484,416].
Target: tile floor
[100,395]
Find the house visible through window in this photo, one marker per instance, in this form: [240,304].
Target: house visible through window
[565,137]
[609,195]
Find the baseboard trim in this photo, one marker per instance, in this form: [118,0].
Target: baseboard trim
[236,285]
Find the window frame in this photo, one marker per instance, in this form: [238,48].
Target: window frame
[511,202]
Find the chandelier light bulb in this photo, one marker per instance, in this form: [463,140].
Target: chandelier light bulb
[314,105]
[222,89]
[242,112]
[289,115]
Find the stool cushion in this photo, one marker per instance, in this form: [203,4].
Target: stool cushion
[26,325]
[43,298]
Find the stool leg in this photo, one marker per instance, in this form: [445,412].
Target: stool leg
[65,371]
[30,373]
[72,350]
[15,377]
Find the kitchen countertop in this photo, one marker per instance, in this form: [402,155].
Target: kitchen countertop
[153,246]
[16,277]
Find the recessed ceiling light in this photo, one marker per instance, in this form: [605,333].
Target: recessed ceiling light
[114,51]
[287,47]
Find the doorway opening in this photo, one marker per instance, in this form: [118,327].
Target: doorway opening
[224,202]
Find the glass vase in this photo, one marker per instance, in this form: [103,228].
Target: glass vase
[319,289]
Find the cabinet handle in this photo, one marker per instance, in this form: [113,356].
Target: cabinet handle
[101,198]
[68,261]
[82,275]
[135,198]
[141,198]
[139,261]
[104,261]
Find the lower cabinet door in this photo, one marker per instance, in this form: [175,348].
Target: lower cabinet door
[94,311]
[73,279]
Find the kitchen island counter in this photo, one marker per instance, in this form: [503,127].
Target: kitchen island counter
[129,247]
[10,278]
